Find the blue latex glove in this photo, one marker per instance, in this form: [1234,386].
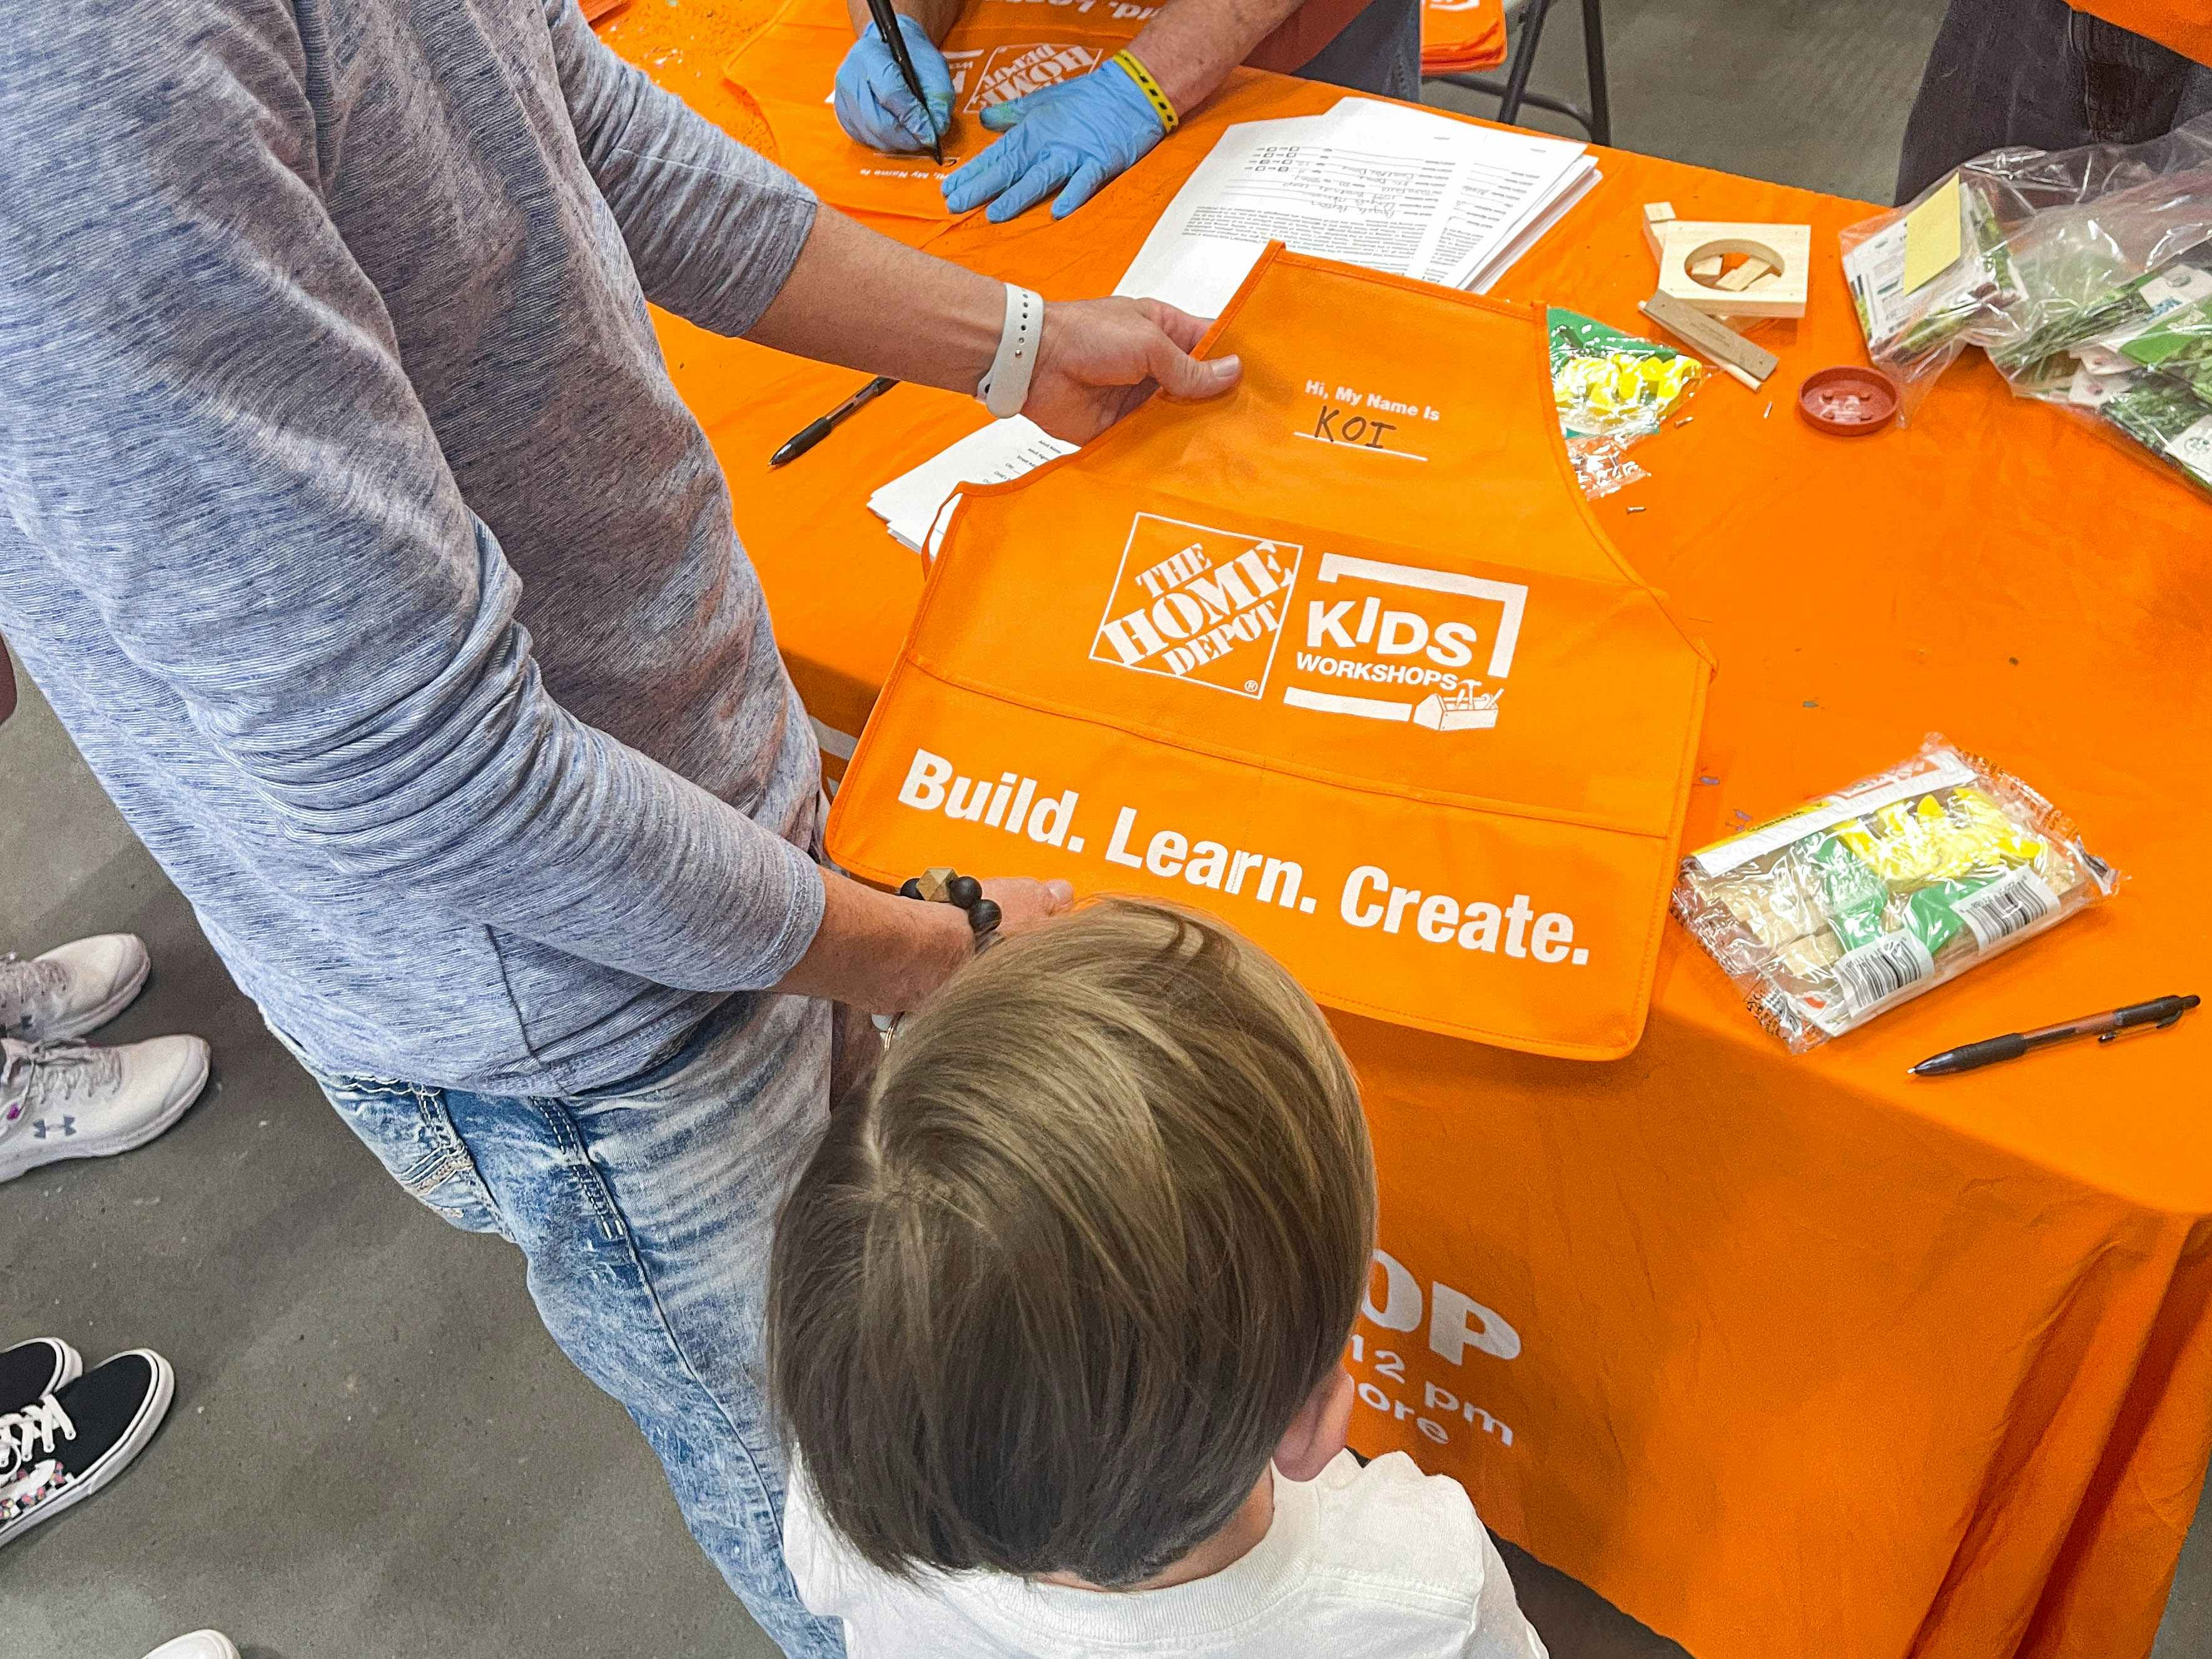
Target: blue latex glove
[1079,134]
[874,106]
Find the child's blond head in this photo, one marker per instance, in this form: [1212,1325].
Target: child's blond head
[1055,1284]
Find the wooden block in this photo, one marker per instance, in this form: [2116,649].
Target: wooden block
[1706,268]
[933,882]
[1658,216]
[1750,363]
[1751,270]
[1785,251]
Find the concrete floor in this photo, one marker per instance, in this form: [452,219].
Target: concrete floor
[376,1453]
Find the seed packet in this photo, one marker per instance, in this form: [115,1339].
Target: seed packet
[1913,334]
[1838,911]
[2166,418]
[2085,275]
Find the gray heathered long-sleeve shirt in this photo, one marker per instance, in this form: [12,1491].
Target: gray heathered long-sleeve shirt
[355,531]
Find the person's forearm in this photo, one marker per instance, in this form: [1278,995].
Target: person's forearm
[938,16]
[864,301]
[1191,46]
[877,952]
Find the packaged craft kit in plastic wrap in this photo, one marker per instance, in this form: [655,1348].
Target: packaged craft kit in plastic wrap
[2086,274]
[1851,904]
[1612,389]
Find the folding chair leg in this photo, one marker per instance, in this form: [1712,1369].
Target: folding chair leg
[1524,60]
[1600,96]
[1513,94]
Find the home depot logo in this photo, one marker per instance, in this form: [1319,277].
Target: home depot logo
[1401,643]
[1014,71]
[1198,604]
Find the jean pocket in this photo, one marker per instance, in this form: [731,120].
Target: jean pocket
[407,1127]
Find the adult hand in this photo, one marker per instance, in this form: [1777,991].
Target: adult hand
[1024,904]
[874,105]
[865,302]
[1078,134]
[1099,359]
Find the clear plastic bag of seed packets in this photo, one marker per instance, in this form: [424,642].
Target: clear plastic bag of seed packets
[1838,911]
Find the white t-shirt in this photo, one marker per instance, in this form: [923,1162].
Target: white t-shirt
[1376,1563]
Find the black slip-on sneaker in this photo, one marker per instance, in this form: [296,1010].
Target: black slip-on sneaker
[34,1368]
[66,1445]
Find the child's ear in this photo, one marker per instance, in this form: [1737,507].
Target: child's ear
[1320,1430]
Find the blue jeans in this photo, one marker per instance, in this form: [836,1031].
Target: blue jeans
[1377,51]
[644,1212]
[2037,72]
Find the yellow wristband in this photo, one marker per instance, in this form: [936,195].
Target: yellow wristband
[1143,76]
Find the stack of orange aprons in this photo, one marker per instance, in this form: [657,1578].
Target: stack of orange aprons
[1459,37]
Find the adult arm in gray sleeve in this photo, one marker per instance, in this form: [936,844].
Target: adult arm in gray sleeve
[211,433]
[711,226]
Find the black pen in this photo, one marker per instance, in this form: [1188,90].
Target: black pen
[887,27]
[812,433]
[2104,1027]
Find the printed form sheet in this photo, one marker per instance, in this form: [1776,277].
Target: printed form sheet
[1371,183]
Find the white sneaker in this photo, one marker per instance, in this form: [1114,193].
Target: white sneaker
[200,1645]
[72,989]
[62,1100]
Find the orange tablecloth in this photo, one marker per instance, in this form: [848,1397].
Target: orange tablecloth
[1785,1357]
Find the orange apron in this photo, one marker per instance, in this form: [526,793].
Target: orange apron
[1342,658]
[999,49]
[2186,26]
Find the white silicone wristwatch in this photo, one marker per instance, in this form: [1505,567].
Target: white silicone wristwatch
[1006,388]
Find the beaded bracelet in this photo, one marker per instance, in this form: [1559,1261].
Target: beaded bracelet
[947,886]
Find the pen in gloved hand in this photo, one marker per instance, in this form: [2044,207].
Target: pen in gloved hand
[895,41]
